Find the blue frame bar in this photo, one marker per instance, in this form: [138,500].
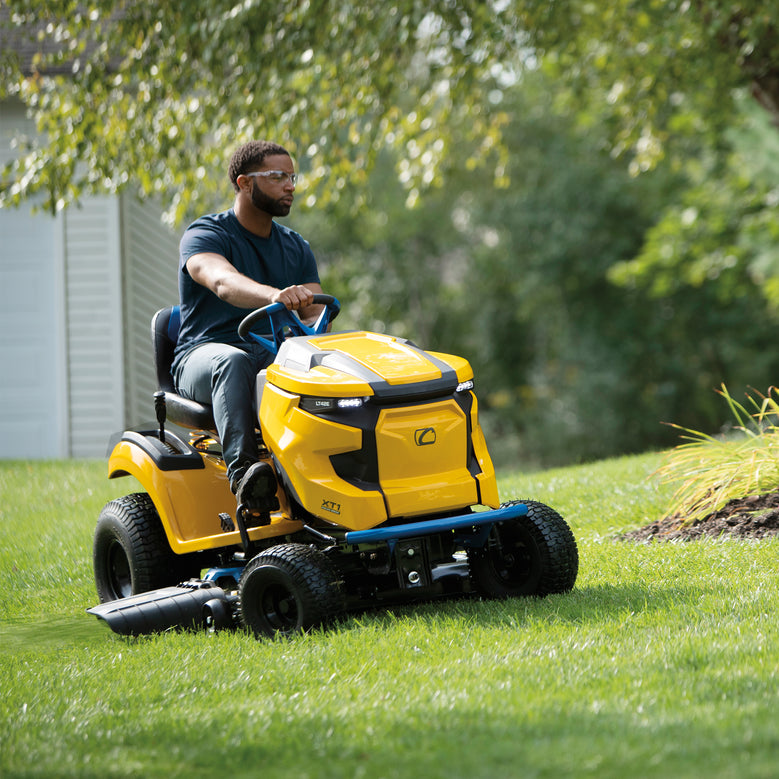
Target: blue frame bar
[217,573]
[431,526]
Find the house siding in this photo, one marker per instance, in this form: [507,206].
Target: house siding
[150,283]
[95,352]
[121,268]
[33,385]
[77,294]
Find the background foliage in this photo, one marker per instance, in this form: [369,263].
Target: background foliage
[580,198]
[551,288]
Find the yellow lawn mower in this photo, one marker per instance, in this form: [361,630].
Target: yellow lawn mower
[384,493]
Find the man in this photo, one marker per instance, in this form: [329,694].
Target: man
[230,263]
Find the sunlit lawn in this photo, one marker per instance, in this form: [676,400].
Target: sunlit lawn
[662,662]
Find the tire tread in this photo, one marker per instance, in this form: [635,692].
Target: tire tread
[317,577]
[557,553]
[152,562]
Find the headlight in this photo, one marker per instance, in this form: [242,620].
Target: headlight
[464,386]
[350,402]
[328,405]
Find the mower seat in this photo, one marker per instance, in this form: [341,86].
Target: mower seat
[180,410]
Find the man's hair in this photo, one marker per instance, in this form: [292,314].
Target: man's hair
[250,156]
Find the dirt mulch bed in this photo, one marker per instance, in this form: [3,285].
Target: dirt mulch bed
[754,517]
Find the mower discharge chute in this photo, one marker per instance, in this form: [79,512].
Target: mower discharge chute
[385,493]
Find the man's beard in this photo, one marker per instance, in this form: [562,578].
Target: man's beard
[268,204]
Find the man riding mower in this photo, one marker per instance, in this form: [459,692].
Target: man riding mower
[380,490]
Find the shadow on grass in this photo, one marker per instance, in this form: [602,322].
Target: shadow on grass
[590,604]
[597,604]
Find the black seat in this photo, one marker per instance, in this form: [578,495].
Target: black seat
[180,410]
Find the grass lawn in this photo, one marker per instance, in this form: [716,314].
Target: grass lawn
[663,661]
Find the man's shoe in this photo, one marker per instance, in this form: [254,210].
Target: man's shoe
[257,488]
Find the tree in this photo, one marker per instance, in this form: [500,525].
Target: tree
[383,103]
[159,93]
[723,229]
[156,93]
[521,281]
[664,67]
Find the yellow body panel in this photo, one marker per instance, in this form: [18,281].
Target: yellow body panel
[322,381]
[423,464]
[422,453]
[460,365]
[189,501]
[488,485]
[397,362]
[422,460]
[303,445]
[393,360]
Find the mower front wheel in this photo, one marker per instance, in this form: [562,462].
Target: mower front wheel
[534,554]
[131,553]
[287,589]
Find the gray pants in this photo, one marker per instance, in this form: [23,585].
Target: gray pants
[226,377]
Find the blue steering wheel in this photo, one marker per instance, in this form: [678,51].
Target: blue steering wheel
[286,324]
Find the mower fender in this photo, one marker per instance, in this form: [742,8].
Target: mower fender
[189,494]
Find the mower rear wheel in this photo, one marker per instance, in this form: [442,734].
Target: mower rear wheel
[131,553]
[535,554]
[287,589]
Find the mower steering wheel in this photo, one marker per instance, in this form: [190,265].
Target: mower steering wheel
[285,323]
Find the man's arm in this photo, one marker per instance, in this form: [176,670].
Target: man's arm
[216,273]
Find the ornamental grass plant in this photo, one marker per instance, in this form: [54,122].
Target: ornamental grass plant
[710,471]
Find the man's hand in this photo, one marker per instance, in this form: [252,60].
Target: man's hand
[294,298]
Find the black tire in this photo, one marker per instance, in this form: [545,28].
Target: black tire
[287,589]
[535,554]
[131,553]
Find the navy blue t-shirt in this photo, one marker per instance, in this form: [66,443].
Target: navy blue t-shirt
[281,260]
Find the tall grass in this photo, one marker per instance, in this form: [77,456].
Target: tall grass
[710,471]
[661,662]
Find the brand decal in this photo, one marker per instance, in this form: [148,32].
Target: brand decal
[424,436]
[331,506]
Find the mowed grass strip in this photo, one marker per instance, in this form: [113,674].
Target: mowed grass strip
[662,661]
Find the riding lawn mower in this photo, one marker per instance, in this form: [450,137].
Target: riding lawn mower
[382,492]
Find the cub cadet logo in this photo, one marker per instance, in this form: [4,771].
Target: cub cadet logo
[331,506]
[424,436]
